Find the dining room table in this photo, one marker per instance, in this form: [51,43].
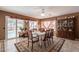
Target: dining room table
[41,36]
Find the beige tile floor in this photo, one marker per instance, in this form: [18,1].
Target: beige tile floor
[68,46]
[9,44]
[2,45]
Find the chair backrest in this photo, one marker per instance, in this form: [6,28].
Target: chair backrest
[47,34]
[30,35]
[51,32]
[26,33]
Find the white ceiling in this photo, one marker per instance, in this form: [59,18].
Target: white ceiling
[35,11]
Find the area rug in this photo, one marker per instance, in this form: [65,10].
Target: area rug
[53,47]
[57,47]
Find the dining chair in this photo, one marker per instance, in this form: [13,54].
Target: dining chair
[51,34]
[21,35]
[32,39]
[45,40]
[48,37]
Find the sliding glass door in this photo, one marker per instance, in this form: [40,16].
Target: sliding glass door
[13,26]
[20,24]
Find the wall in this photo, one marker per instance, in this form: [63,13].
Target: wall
[2,25]
[68,15]
[3,14]
[2,21]
[77,27]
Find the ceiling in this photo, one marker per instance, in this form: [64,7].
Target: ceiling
[35,11]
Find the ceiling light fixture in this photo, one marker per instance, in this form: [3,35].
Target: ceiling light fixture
[43,12]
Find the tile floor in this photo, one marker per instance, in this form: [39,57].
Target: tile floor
[68,46]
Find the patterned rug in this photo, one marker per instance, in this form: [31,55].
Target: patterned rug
[57,47]
[53,47]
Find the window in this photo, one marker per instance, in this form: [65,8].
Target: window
[33,25]
[20,24]
[48,24]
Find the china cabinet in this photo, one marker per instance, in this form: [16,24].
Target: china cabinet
[66,28]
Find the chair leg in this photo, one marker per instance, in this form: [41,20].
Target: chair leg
[48,41]
[28,42]
[32,47]
[45,44]
[40,43]
[52,39]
